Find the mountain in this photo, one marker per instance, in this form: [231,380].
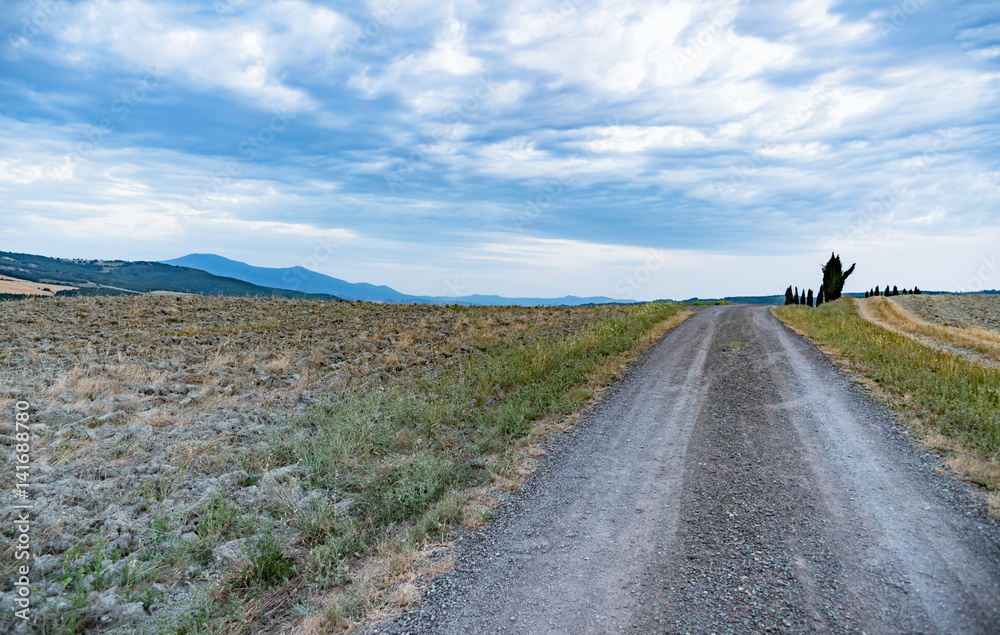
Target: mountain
[292,278]
[114,277]
[302,279]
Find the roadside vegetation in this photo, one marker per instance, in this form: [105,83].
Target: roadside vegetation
[983,343]
[235,464]
[951,401]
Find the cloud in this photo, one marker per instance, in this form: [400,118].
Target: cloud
[464,139]
[247,54]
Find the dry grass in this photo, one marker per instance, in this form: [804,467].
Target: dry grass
[390,582]
[16,286]
[983,345]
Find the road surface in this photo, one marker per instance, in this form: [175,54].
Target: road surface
[735,481]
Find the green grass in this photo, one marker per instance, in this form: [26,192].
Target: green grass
[266,565]
[396,452]
[957,397]
[403,459]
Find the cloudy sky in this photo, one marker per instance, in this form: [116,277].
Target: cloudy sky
[529,147]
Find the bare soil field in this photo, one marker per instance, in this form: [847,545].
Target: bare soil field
[970,310]
[968,325]
[174,438]
[16,286]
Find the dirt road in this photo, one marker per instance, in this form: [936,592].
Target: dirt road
[734,482]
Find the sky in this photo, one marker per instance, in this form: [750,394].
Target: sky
[636,150]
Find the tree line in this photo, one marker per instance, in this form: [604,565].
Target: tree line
[834,278]
[871,293]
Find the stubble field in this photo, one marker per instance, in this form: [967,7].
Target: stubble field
[969,310]
[197,462]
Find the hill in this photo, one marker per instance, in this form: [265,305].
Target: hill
[110,277]
[302,279]
[291,278]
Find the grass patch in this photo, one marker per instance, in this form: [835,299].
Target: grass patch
[943,394]
[266,565]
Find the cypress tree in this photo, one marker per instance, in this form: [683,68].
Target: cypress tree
[802,298]
[895,291]
[795,296]
[809,298]
[877,291]
[819,296]
[834,278]
[866,295]
[788,295]
[917,291]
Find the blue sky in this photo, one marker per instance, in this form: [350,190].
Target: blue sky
[630,149]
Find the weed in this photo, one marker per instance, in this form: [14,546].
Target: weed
[266,565]
[220,519]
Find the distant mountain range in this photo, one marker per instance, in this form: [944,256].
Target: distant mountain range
[119,277]
[208,274]
[306,280]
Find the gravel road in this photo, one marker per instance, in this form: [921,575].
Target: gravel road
[735,481]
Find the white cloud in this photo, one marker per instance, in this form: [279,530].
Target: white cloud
[120,221]
[17,171]
[246,54]
[302,230]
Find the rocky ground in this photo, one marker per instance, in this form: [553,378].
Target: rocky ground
[153,420]
[964,311]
